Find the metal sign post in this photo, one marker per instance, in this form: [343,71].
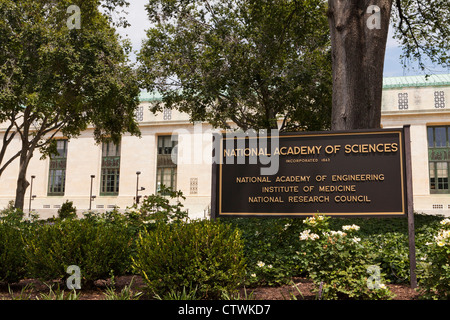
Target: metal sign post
[410,206]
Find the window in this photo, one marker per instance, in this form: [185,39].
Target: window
[139,114]
[167,114]
[57,171]
[439,158]
[439,99]
[402,101]
[193,188]
[166,171]
[110,169]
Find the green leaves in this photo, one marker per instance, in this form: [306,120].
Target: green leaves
[435,282]
[96,246]
[202,254]
[55,79]
[252,62]
[423,31]
[339,262]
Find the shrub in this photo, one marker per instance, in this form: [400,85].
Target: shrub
[96,245]
[200,254]
[12,258]
[11,214]
[391,252]
[163,207]
[435,281]
[67,210]
[339,263]
[271,249]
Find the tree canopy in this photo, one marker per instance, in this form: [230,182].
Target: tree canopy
[423,30]
[58,79]
[252,62]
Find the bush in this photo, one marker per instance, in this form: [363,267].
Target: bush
[271,249]
[67,210]
[435,281]
[11,214]
[12,257]
[163,207]
[391,252]
[339,264]
[201,254]
[97,245]
[274,243]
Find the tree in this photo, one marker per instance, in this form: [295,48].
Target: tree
[359,30]
[253,62]
[61,76]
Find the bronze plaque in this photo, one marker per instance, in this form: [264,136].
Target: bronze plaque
[359,173]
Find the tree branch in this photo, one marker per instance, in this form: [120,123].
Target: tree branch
[409,29]
[7,163]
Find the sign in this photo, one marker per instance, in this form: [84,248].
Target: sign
[360,173]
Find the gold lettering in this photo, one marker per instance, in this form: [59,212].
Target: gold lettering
[308,199]
[394,147]
[360,198]
[367,148]
[265,199]
[338,188]
[364,148]
[292,179]
[280,189]
[357,177]
[253,179]
[263,152]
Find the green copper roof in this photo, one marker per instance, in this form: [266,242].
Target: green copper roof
[417,81]
[434,80]
[149,96]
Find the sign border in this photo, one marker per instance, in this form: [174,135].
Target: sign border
[216,194]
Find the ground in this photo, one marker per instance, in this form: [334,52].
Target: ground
[303,290]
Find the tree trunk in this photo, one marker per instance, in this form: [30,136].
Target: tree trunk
[358,52]
[22,182]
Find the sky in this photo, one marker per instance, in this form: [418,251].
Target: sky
[137,17]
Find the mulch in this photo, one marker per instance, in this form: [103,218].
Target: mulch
[304,289]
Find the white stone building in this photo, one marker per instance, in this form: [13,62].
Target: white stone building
[423,103]
[117,172]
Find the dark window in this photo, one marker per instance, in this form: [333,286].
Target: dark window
[110,169]
[166,171]
[439,158]
[57,171]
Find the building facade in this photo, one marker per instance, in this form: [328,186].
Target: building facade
[174,152]
[114,174]
[424,104]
